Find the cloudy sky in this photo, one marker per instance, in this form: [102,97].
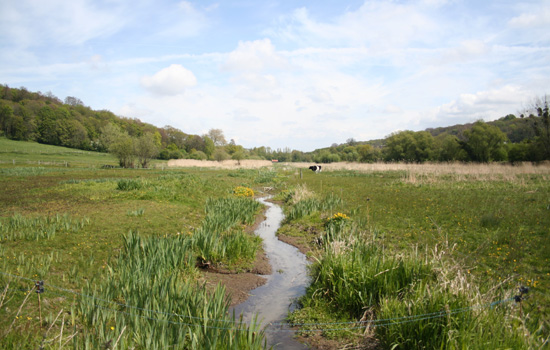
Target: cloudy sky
[286,73]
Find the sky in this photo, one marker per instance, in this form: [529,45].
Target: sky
[283,74]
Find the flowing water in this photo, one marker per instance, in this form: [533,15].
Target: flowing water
[288,281]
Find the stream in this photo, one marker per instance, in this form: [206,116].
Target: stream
[288,281]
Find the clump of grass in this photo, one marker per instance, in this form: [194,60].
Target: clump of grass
[265,176]
[156,276]
[490,220]
[220,237]
[137,212]
[413,302]
[129,185]
[36,228]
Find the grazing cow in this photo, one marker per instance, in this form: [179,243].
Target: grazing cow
[316,168]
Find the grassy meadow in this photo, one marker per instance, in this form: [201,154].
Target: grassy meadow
[410,240]
[426,256]
[120,251]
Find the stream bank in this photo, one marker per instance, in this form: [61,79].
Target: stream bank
[272,301]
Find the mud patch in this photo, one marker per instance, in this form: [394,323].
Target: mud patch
[237,285]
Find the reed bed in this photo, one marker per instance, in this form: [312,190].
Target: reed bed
[152,292]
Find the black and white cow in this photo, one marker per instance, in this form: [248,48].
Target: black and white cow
[316,168]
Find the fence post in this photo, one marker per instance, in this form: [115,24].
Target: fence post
[39,285]
[519,298]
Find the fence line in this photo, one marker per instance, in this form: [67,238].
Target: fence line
[361,324]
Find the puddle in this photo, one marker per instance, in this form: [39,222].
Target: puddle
[288,281]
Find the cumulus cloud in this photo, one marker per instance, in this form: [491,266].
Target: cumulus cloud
[487,105]
[254,55]
[172,80]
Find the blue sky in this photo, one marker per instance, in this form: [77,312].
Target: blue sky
[297,74]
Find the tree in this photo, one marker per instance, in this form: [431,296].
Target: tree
[238,156]
[450,148]
[146,149]
[194,142]
[124,149]
[216,135]
[365,153]
[542,128]
[77,135]
[410,146]
[48,126]
[220,154]
[209,146]
[73,101]
[485,143]
[109,134]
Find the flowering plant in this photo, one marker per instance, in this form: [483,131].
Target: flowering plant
[241,191]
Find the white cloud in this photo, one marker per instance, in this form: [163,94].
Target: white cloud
[540,18]
[182,21]
[487,105]
[376,24]
[254,55]
[172,80]
[58,22]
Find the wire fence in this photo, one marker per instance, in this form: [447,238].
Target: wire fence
[225,324]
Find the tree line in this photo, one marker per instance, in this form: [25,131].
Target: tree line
[42,117]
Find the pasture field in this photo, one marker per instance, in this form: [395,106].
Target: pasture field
[118,251]
[456,234]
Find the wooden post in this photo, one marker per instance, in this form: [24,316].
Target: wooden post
[40,309]
[39,290]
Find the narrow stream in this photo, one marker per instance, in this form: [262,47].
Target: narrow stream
[272,301]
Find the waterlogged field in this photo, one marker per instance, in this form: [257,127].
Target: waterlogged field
[403,256]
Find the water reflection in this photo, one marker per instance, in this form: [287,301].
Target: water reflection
[272,301]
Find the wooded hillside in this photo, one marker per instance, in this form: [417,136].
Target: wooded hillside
[35,116]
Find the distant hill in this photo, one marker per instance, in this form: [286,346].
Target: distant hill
[44,118]
[516,129]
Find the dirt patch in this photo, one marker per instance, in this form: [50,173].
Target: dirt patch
[298,242]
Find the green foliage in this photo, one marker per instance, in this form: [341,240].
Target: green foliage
[129,184]
[19,227]
[410,146]
[154,276]
[146,149]
[485,143]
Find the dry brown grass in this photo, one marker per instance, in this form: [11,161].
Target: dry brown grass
[226,164]
[416,173]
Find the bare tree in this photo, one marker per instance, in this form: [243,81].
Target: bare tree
[217,136]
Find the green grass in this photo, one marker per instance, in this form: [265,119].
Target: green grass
[495,233]
[25,154]
[120,236]
[408,248]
